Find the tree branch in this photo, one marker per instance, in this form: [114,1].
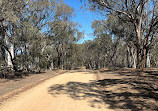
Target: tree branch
[118,11]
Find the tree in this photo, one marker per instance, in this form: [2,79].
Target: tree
[142,14]
[63,32]
[96,53]
[18,18]
[123,32]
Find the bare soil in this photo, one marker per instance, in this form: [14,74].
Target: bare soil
[71,91]
[11,87]
[108,90]
[130,89]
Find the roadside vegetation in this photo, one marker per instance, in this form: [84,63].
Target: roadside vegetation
[36,35]
[40,34]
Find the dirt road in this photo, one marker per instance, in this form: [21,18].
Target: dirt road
[66,92]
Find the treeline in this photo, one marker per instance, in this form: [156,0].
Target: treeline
[106,52]
[132,26]
[40,34]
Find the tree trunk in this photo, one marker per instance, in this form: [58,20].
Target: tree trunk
[139,51]
[52,65]
[138,27]
[89,65]
[58,62]
[11,58]
[10,55]
[134,60]
[148,60]
[129,57]
[133,57]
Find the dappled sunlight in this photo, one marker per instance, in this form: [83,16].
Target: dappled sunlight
[122,94]
[79,91]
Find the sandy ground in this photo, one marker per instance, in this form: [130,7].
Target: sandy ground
[9,85]
[57,94]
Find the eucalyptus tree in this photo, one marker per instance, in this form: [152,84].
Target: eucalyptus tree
[143,16]
[19,20]
[63,32]
[88,53]
[153,55]
[31,41]
[123,32]
[9,15]
[104,42]
[97,53]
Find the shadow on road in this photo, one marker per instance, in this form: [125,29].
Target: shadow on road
[136,94]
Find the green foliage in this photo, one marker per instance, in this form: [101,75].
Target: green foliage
[133,22]
[45,36]
[42,33]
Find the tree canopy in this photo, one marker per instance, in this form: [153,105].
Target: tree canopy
[41,34]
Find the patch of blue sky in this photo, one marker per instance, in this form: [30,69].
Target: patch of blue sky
[84,18]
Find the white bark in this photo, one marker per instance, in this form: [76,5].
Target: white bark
[11,49]
[134,60]
[52,65]
[90,66]
[134,56]
[148,60]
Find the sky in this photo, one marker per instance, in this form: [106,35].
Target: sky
[84,18]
